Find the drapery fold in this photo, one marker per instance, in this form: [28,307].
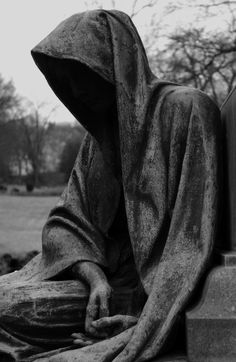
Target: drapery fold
[169,141]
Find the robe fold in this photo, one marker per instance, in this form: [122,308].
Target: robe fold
[169,139]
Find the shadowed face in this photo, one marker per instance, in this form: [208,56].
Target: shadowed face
[91,99]
[86,86]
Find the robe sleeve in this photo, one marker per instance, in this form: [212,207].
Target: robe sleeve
[192,146]
[69,234]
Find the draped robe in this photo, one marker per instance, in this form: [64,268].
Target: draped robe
[169,142]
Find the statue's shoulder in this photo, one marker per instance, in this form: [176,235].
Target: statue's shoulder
[188,96]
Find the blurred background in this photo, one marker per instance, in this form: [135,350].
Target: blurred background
[192,42]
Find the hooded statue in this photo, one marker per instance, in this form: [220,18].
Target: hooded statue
[141,202]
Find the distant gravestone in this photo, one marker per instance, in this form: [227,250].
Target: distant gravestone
[211,325]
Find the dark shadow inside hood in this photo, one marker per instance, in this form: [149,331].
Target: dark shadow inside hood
[69,79]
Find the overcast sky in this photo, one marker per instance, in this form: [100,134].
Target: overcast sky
[23,23]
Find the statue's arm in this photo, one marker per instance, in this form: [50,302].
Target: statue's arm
[100,292]
[69,235]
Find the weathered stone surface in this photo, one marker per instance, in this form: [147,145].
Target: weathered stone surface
[228,115]
[228,258]
[211,325]
[173,358]
[145,136]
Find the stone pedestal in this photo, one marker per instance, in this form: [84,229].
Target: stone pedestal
[211,325]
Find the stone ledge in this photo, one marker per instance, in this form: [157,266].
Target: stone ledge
[211,325]
[228,258]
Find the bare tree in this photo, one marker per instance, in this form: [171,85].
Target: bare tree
[9,104]
[9,101]
[90,4]
[197,55]
[214,3]
[205,61]
[34,129]
[136,6]
[205,5]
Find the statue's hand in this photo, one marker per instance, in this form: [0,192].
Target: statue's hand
[105,327]
[97,307]
[110,326]
[100,293]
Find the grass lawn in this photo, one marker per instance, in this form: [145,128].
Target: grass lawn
[21,222]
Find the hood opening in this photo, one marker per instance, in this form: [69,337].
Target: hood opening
[89,97]
[86,94]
